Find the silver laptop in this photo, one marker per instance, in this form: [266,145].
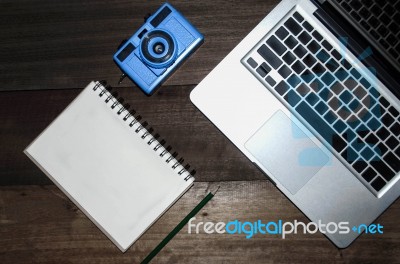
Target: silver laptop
[315,110]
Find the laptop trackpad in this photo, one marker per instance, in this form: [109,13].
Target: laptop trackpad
[286,151]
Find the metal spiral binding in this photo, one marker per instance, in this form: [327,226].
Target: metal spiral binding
[127,114]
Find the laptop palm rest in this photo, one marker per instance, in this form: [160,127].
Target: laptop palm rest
[286,151]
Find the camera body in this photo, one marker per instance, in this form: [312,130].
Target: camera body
[165,40]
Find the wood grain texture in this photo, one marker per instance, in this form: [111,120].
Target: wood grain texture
[25,114]
[49,51]
[40,225]
[61,44]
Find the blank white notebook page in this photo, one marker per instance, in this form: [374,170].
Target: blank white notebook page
[112,173]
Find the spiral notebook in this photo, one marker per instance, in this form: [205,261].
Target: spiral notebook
[110,165]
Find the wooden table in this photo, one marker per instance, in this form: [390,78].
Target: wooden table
[49,51]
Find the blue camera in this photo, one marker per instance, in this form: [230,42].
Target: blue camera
[158,48]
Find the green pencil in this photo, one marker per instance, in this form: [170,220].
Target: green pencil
[176,230]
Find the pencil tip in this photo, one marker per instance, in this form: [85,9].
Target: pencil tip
[215,191]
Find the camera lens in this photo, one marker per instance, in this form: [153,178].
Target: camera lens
[158,48]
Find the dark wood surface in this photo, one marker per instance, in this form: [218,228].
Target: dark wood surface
[49,51]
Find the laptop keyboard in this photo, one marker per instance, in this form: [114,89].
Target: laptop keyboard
[305,72]
[379,19]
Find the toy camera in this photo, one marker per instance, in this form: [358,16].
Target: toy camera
[150,56]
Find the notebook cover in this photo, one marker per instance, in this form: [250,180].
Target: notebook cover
[107,169]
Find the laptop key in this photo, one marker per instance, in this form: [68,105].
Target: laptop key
[332,65]
[325,94]
[339,126]
[387,120]
[270,80]
[367,153]
[317,36]
[312,99]
[359,165]
[317,86]
[293,26]
[353,121]
[369,174]
[393,161]
[284,71]
[304,37]
[323,56]
[307,76]
[349,135]
[298,67]
[377,110]
[346,97]
[346,6]
[362,131]
[355,16]
[365,83]
[309,60]
[298,17]
[365,13]
[382,133]
[374,34]
[341,74]
[291,42]
[292,98]
[372,139]
[282,88]
[313,46]
[276,45]
[374,124]
[355,73]
[382,169]
[269,56]
[318,69]
[303,89]
[326,45]
[355,4]
[384,102]
[338,143]
[307,26]
[373,22]
[350,83]
[293,80]
[330,117]
[381,149]
[393,111]
[397,151]
[321,108]
[289,58]
[336,54]
[378,184]
[263,69]
[334,103]
[282,33]
[300,51]
[344,112]
[395,129]
[349,154]
[252,62]
[354,106]
[346,64]
[327,78]
[392,142]
[359,92]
